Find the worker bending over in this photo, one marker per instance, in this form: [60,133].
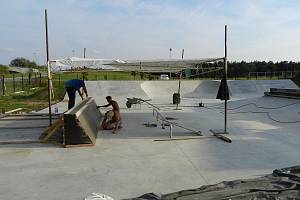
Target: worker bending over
[71,87]
[111,117]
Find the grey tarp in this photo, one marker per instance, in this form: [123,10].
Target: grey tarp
[281,184]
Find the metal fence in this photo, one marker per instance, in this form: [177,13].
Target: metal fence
[17,83]
[272,75]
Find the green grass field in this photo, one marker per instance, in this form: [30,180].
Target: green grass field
[30,100]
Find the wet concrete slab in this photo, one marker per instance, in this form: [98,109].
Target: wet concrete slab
[264,133]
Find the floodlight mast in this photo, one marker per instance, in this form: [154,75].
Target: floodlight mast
[48,67]
[180,72]
[179,80]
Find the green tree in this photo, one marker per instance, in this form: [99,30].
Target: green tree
[23,62]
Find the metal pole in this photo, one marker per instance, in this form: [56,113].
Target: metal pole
[225,70]
[29,79]
[35,80]
[170,56]
[3,85]
[40,80]
[49,73]
[14,84]
[84,49]
[180,74]
[22,82]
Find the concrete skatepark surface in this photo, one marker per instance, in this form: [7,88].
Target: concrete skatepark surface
[264,131]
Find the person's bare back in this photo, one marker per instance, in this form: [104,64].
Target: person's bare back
[117,117]
[115,105]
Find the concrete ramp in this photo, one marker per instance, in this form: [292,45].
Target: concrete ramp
[206,89]
[163,90]
[119,90]
[255,88]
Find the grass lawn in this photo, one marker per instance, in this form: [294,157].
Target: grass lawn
[32,100]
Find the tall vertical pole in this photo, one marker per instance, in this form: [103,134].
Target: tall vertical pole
[179,83]
[83,73]
[49,72]
[180,74]
[225,71]
[170,56]
[14,83]
[22,82]
[35,80]
[40,84]
[3,85]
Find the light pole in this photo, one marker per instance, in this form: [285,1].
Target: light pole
[49,70]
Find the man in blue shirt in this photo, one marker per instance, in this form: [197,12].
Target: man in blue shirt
[71,87]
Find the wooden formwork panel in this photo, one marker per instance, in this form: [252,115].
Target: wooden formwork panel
[81,124]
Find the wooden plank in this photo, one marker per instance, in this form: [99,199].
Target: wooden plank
[49,132]
[78,145]
[222,137]
[13,111]
[183,138]
[19,142]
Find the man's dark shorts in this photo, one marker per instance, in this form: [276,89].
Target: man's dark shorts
[71,92]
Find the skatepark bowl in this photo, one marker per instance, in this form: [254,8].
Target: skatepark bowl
[141,158]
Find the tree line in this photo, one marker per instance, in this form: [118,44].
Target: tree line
[20,62]
[243,68]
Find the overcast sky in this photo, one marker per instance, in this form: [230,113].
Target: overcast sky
[147,29]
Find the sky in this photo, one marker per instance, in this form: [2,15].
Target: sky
[263,30]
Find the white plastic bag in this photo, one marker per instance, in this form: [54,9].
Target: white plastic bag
[97,196]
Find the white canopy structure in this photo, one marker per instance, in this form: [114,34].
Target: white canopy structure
[160,65]
[79,63]
[170,65]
